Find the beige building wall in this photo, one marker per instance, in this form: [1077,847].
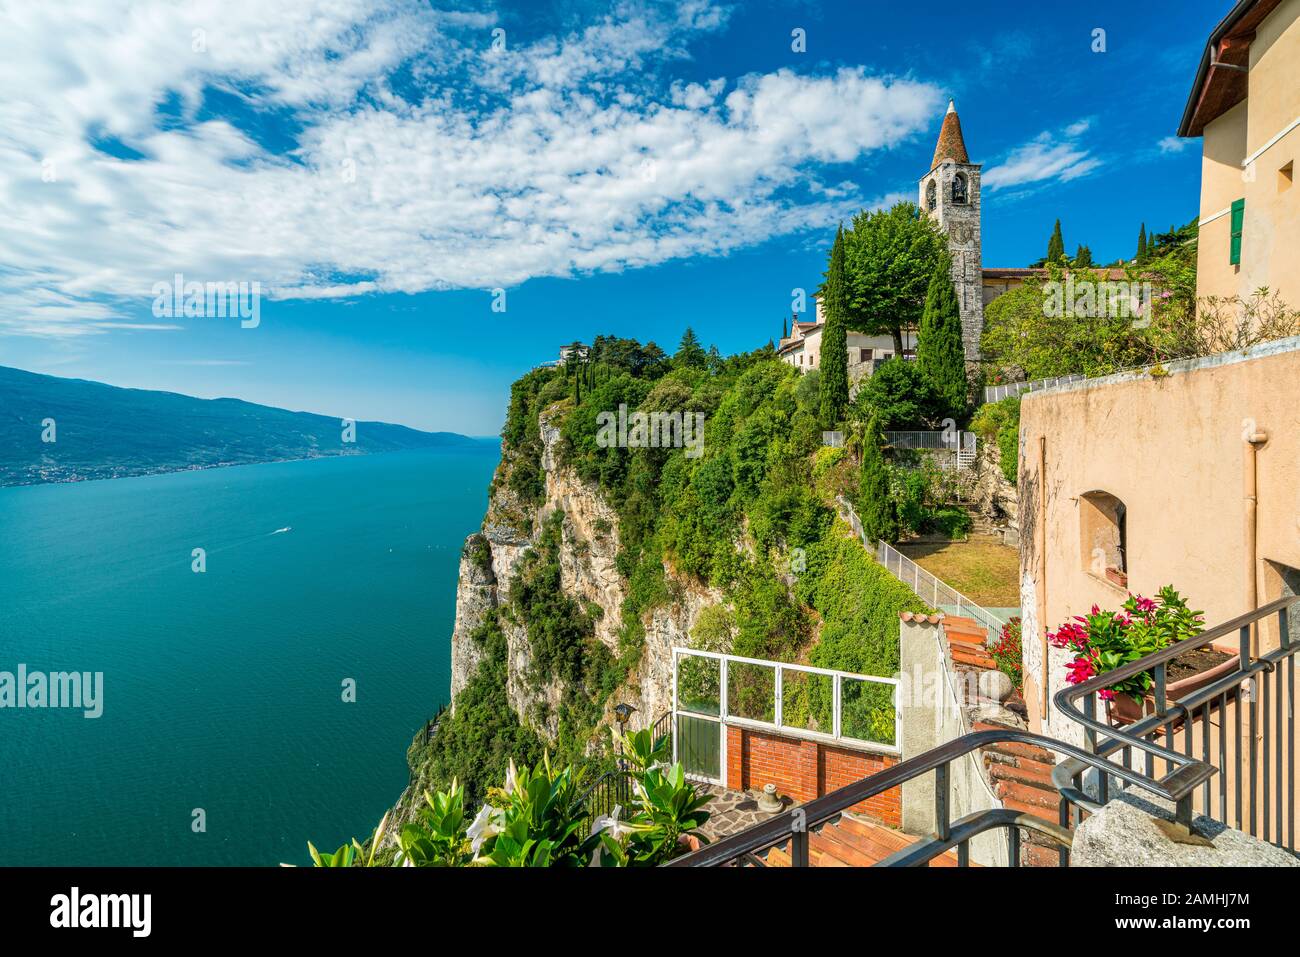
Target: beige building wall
[1270,254]
[805,354]
[1172,449]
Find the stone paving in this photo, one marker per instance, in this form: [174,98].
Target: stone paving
[732,811]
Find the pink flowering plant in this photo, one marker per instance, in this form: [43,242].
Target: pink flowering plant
[1104,640]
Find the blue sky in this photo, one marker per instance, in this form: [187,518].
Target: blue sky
[380,168]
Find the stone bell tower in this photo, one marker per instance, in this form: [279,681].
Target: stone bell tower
[950,194]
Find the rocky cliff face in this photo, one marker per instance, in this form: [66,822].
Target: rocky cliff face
[993,496]
[589,575]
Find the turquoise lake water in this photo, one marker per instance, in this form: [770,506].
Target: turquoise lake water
[223,690]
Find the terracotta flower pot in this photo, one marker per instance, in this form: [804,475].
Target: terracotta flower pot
[1123,710]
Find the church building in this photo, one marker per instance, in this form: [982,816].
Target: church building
[950,194]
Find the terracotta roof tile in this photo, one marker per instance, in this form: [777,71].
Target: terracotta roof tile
[951,145]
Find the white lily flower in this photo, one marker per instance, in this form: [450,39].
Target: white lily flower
[486,824]
[610,822]
[512,777]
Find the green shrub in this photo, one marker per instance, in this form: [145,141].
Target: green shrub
[900,397]
[999,422]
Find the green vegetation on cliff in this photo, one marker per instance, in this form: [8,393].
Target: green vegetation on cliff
[748,512]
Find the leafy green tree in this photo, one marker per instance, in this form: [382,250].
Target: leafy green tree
[835,350]
[1083,258]
[889,257]
[690,354]
[940,355]
[875,503]
[900,397]
[1056,245]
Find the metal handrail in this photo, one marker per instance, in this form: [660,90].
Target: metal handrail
[1190,772]
[794,824]
[1176,785]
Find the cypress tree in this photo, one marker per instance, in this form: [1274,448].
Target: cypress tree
[1142,245]
[1083,258]
[1056,245]
[835,348]
[940,354]
[689,352]
[875,504]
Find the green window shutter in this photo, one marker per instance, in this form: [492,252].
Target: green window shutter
[1238,219]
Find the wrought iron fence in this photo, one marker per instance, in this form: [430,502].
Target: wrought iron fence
[614,788]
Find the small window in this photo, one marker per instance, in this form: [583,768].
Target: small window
[1238,222]
[931,196]
[960,194]
[864,355]
[1284,177]
[1103,526]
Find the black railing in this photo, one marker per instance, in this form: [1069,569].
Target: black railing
[1240,726]
[663,727]
[1168,774]
[795,824]
[614,788]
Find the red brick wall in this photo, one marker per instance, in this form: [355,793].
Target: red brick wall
[806,769]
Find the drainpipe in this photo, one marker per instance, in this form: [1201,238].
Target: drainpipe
[1253,439]
[1042,574]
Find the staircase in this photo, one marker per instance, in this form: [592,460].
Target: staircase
[1019,774]
[852,842]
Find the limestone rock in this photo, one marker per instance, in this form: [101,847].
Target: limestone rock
[476,596]
[588,574]
[1126,833]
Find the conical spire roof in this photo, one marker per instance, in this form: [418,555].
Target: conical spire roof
[951,146]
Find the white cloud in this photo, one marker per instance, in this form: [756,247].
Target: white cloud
[1049,157]
[560,156]
[1173,144]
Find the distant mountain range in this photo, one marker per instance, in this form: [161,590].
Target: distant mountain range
[101,431]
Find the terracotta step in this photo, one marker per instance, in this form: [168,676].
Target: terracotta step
[1027,772]
[827,845]
[1035,856]
[1028,794]
[873,850]
[777,857]
[885,841]
[1015,748]
[1037,810]
[969,633]
[1032,764]
[974,660]
[961,622]
[970,642]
